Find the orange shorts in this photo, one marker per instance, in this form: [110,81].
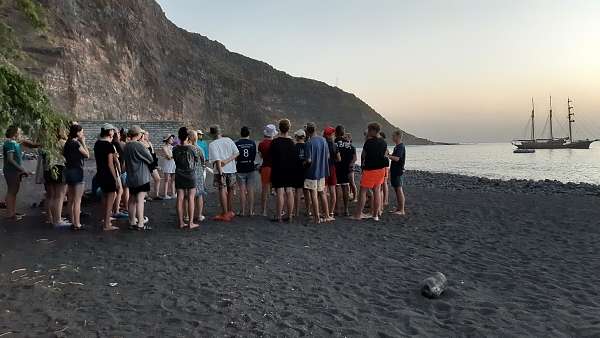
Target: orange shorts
[372,178]
[265,175]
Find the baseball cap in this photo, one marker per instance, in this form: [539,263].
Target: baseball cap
[328,131]
[300,133]
[134,131]
[270,130]
[108,126]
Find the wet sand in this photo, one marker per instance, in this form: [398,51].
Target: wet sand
[521,259]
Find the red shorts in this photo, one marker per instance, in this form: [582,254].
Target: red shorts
[372,178]
[331,180]
[265,175]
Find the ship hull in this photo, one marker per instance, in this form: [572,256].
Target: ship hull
[553,144]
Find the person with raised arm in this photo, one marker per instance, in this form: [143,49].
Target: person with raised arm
[75,153]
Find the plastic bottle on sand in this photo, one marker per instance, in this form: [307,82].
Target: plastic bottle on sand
[434,286]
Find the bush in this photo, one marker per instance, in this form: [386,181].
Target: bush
[9,46]
[23,102]
[34,12]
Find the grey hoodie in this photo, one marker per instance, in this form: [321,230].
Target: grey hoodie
[137,158]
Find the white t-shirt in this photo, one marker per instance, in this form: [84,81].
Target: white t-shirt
[222,149]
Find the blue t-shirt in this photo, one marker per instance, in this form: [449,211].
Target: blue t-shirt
[317,152]
[245,161]
[204,146]
[12,146]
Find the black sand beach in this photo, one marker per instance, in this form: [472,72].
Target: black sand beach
[521,259]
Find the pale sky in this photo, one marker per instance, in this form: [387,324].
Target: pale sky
[446,70]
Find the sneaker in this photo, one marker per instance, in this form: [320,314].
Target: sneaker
[146,220]
[120,215]
[63,224]
[202,218]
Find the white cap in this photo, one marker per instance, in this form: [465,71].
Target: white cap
[270,130]
[300,133]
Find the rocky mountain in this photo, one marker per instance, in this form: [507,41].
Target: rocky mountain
[124,60]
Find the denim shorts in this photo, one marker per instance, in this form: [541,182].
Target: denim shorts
[73,176]
[247,178]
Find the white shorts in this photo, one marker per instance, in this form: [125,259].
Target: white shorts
[318,185]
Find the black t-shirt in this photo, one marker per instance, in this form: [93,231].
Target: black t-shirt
[333,150]
[347,152]
[397,167]
[374,150]
[73,157]
[245,161]
[101,151]
[284,161]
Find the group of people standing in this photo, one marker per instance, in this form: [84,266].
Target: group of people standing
[305,166]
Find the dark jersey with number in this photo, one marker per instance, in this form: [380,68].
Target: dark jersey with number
[245,161]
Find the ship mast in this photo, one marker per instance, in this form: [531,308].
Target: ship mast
[571,119]
[532,120]
[551,129]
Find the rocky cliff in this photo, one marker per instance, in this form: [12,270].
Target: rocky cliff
[124,60]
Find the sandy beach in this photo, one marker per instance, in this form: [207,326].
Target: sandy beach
[521,259]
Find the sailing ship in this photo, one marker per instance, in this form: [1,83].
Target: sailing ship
[552,142]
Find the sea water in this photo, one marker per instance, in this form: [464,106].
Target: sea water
[497,160]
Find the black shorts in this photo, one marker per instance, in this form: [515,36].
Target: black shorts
[107,185]
[141,188]
[343,175]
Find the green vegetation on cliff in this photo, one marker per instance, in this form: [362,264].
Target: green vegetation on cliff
[23,101]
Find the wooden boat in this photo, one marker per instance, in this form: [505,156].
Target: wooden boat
[552,142]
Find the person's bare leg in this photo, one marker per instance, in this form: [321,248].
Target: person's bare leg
[11,197]
[109,201]
[172,187]
[323,196]
[132,208]
[157,180]
[125,198]
[290,202]
[250,189]
[223,199]
[117,201]
[307,201]
[191,205]
[180,211]
[377,202]
[243,198]
[346,200]
[77,204]
[59,200]
[401,201]
[266,191]
[70,198]
[280,202]
[200,207]
[230,195]
[333,198]
[140,209]
[297,202]
[50,203]
[315,205]
[362,199]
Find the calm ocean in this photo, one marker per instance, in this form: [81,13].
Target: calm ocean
[496,160]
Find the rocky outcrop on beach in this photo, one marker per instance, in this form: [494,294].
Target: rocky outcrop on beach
[124,60]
